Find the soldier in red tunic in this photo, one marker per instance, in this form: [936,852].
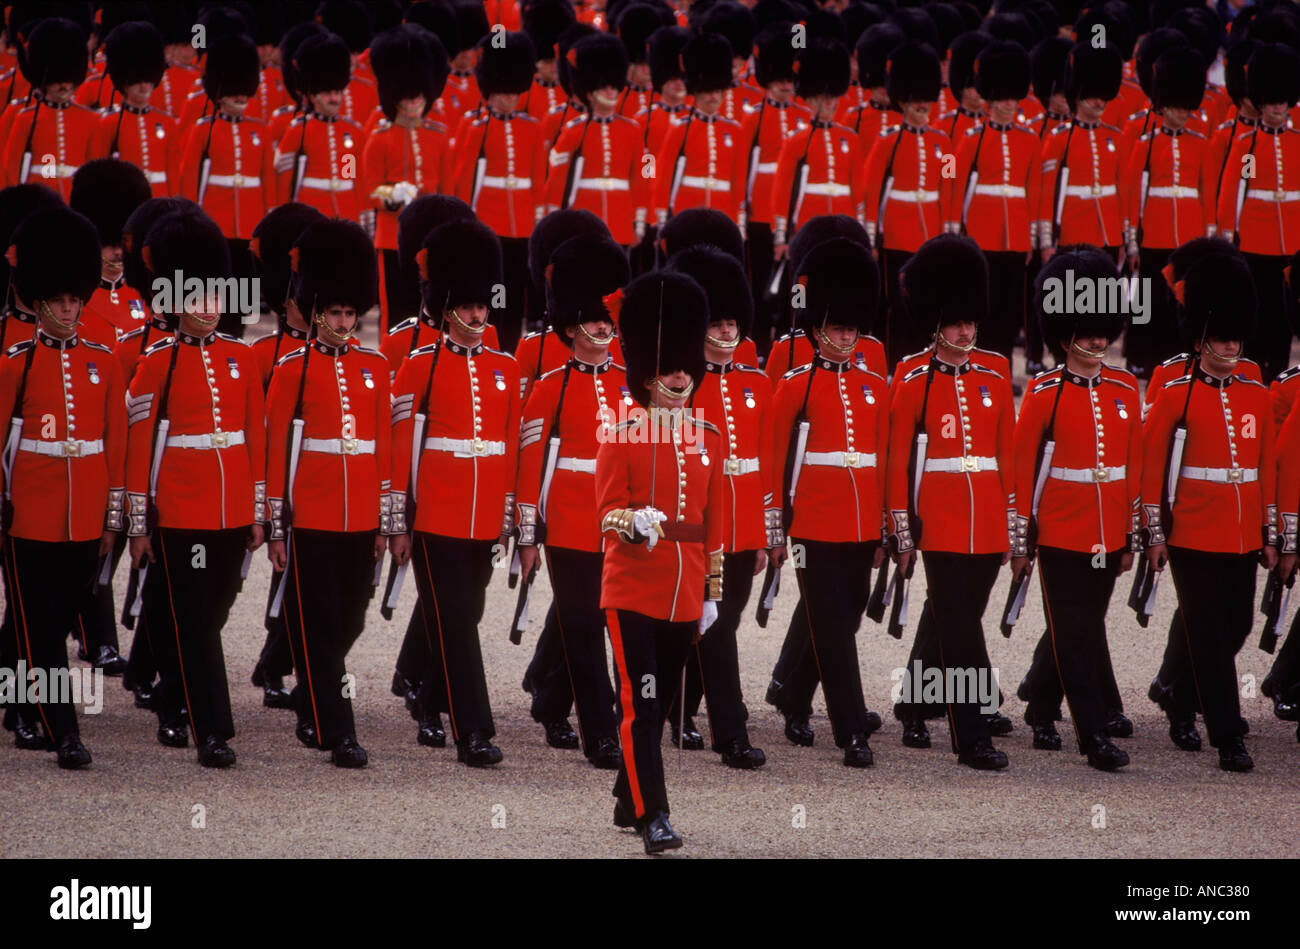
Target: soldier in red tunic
[635,24]
[1087,503]
[63,476]
[871,54]
[544,21]
[456,429]
[1227,466]
[566,417]
[133,130]
[196,460]
[328,434]
[969,111]
[659,498]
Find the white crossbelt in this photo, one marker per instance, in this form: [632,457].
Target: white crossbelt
[1220,475]
[207,441]
[1261,195]
[744,466]
[1173,191]
[245,181]
[1001,191]
[585,465]
[506,181]
[840,459]
[1089,475]
[60,171]
[603,184]
[340,446]
[766,168]
[328,184]
[831,189]
[963,464]
[464,447]
[156,177]
[709,184]
[920,197]
[72,448]
[1089,191]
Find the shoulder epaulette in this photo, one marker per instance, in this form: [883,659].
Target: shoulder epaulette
[424,350]
[1107,125]
[619,367]
[1046,384]
[888,130]
[406,324]
[1140,113]
[915,355]
[861,368]
[498,352]
[1064,126]
[707,426]
[918,371]
[796,370]
[368,351]
[133,333]
[1173,360]
[20,347]
[627,423]
[100,346]
[287,356]
[977,367]
[1119,376]
[1193,132]
[1145,137]
[978,126]
[231,339]
[160,345]
[574,122]
[550,372]
[741,367]
[1253,382]
[1175,382]
[1286,374]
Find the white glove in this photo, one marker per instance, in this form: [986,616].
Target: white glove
[403,194]
[645,523]
[709,616]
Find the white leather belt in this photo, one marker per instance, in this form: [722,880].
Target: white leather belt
[506,181]
[585,465]
[1175,191]
[60,171]
[920,197]
[465,447]
[766,168]
[156,177]
[248,181]
[1001,191]
[328,184]
[840,459]
[1220,475]
[708,184]
[206,441]
[339,446]
[73,448]
[603,184]
[744,466]
[1089,191]
[1279,196]
[831,189]
[962,465]
[1089,475]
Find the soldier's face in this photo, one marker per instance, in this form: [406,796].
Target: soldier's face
[110,262]
[1059,104]
[1176,118]
[1274,114]
[961,334]
[138,93]
[504,103]
[327,103]
[781,91]
[709,102]
[841,338]
[678,386]
[180,53]
[1090,110]
[1003,111]
[59,315]
[639,73]
[475,317]
[337,324]
[233,105]
[1219,356]
[916,113]
[547,70]
[823,107]
[605,99]
[721,340]
[411,108]
[674,91]
[1089,350]
[60,91]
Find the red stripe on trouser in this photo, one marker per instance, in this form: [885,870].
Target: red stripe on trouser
[26,637]
[302,631]
[628,712]
[176,632]
[437,618]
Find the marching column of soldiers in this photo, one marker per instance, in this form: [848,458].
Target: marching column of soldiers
[672,296]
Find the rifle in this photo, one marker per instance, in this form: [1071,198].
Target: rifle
[754,153]
[295,449]
[1277,596]
[11,443]
[300,161]
[135,591]
[574,178]
[896,594]
[679,164]
[972,179]
[1062,183]
[771,587]
[205,163]
[480,167]
[25,166]
[520,620]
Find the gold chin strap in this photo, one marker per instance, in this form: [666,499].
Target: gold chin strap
[1088,353]
[48,314]
[943,341]
[826,341]
[206,324]
[472,330]
[324,327]
[670,393]
[595,340]
[1231,360]
[723,343]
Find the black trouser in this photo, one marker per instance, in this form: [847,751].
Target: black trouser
[241,268]
[1271,347]
[834,585]
[401,294]
[648,659]
[573,668]
[417,654]
[1006,313]
[1033,332]
[758,253]
[1216,595]
[141,665]
[97,622]
[1077,663]
[713,666]
[1283,680]
[276,657]
[958,588]
[795,676]
[509,319]
[329,582]
[902,335]
[452,575]
[48,584]
[642,257]
[1147,345]
[188,592]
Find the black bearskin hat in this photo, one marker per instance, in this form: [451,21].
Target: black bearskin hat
[334,261]
[39,274]
[1002,72]
[873,49]
[841,286]
[1151,48]
[415,222]
[187,241]
[107,191]
[438,18]
[134,233]
[596,62]
[912,74]
[17,202]
[946,281]
[507,69]
[232,67]
[1085,265]
[635,24]
[55,52]
[294,37]
[322,63]
[460,263]
[961,60]
[822,69]
[706,63]
[471,23]
[734,22]
[817,230]
[1047,68]
[665,48]
[272,240]
[662,321]
[1273,76]
[134,53]
[552,231]
[582,272]
[701,226]
[1178,79]
[724,281]
[544,21]
[347,20]
[1218,300]
[1092,73]
[408,61]
[774,55]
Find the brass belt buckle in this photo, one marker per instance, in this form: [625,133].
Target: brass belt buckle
[218,439]
[969,463]
[71,448]
[1102,473]
[1234,475]
[480,446]
[851,459]
[1096,189]
[349,446]
[731,466]
[1279,196]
